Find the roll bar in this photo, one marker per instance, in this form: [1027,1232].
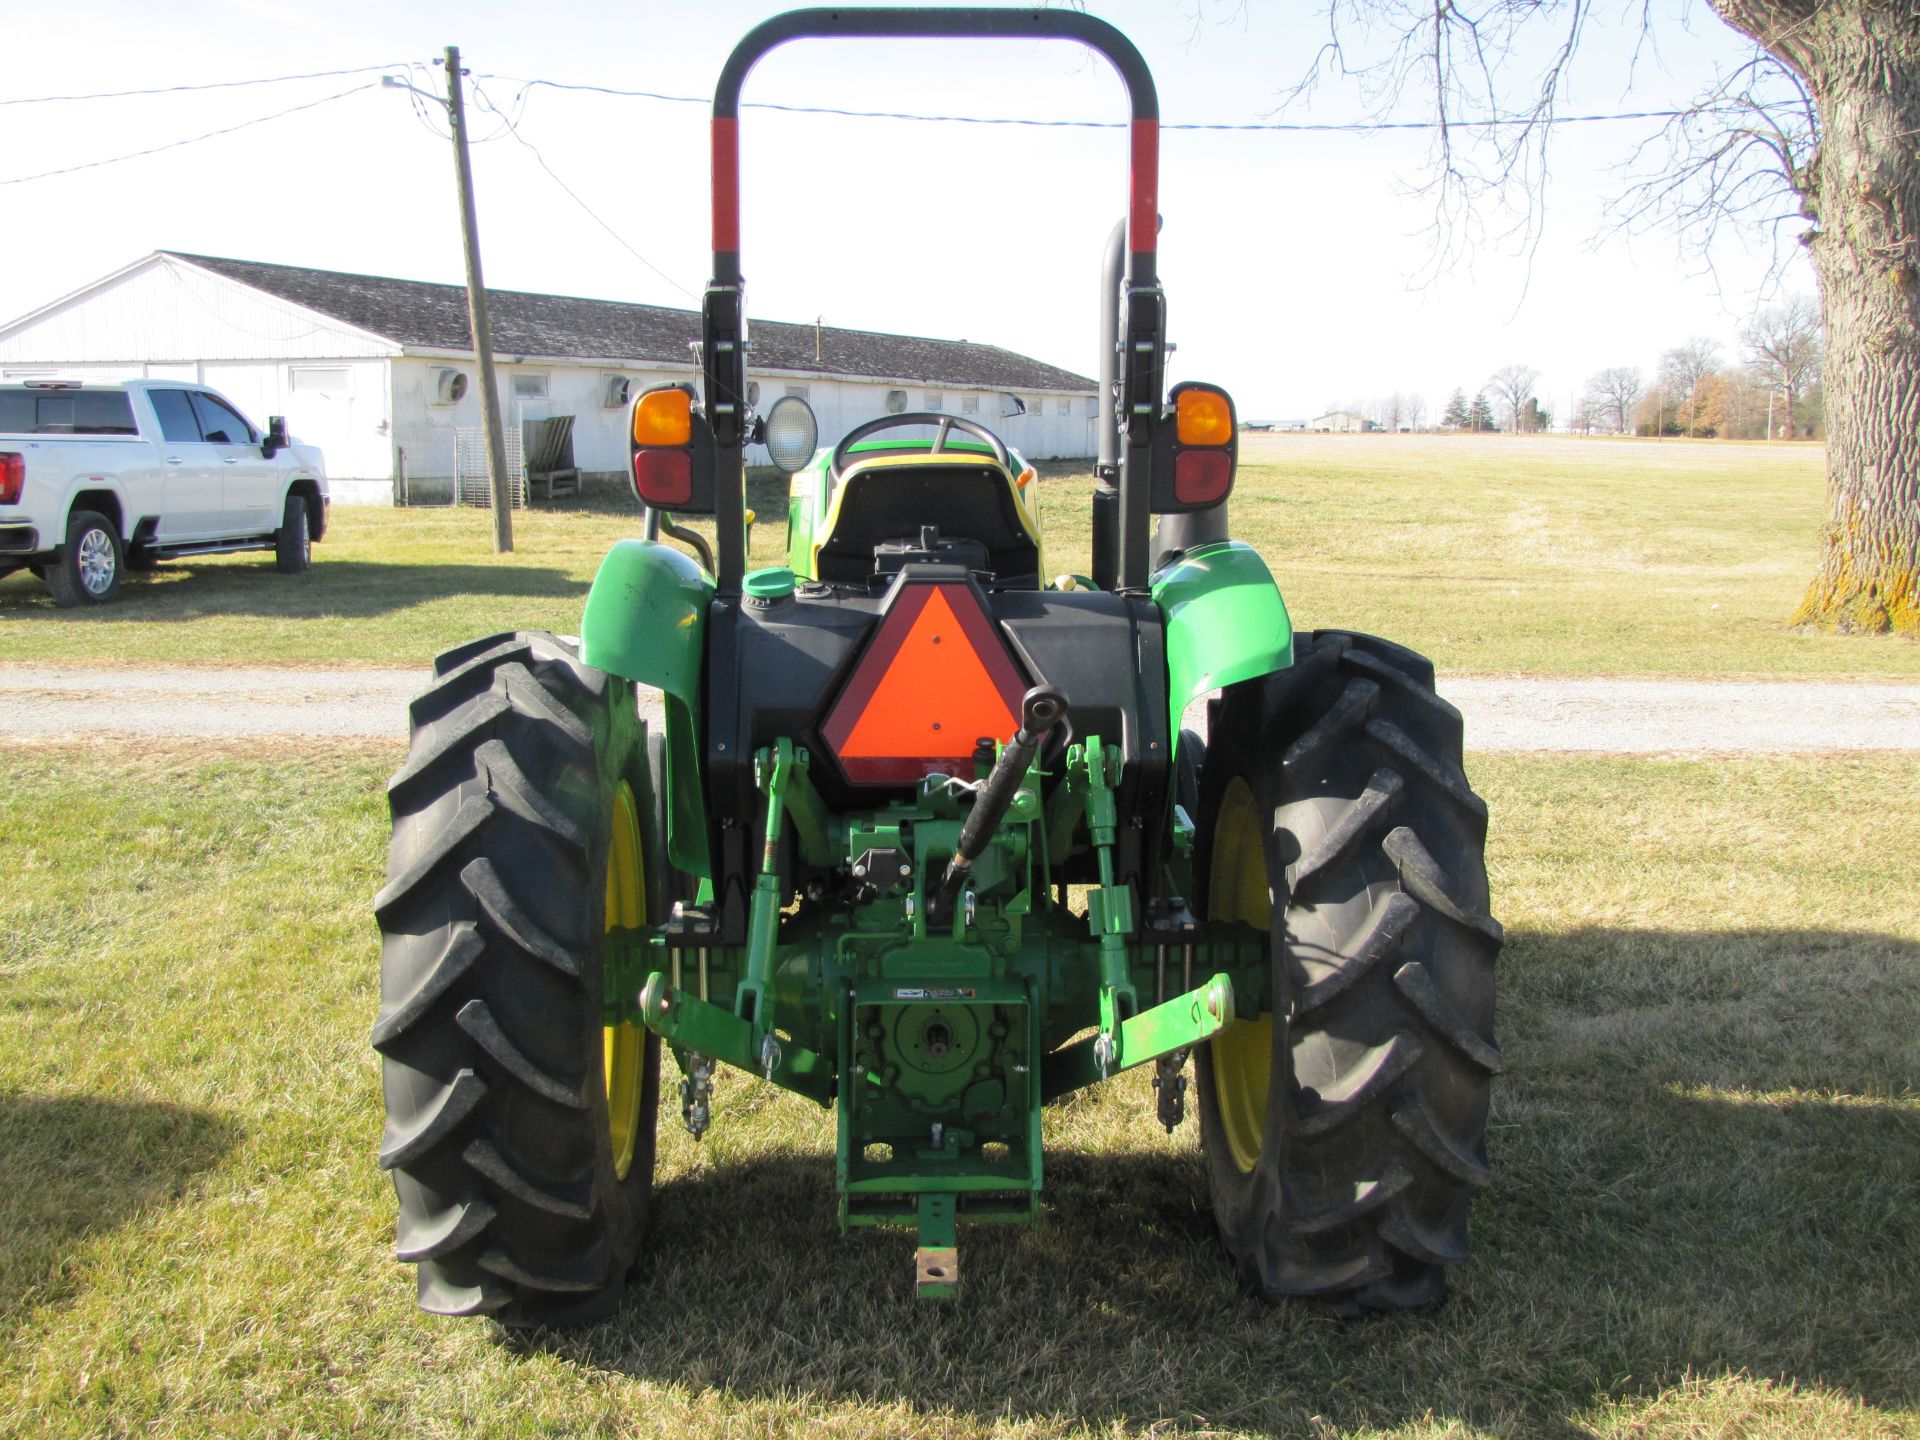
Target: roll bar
[723,310]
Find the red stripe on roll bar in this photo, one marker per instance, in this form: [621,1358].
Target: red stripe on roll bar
[726,184]
[1143,214]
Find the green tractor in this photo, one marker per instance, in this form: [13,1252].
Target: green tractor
[920,837]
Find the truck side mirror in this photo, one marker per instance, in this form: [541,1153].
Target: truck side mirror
[276,437]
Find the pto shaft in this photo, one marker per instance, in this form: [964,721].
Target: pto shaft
[1041,709]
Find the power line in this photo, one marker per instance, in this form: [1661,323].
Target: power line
[192,139]
[539,159]
[1292,127]
[211,85]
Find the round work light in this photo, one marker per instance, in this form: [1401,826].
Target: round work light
[791,433]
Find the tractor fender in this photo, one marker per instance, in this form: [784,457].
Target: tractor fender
[1225,621]
[646,620]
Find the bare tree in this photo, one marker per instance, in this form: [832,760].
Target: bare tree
[1684,371]
[1783,346]
[1816,130]
[1416,412]
[1613,393]
[1512,387]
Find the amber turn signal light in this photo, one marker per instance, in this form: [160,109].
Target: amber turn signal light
[663,417]
[1203,417]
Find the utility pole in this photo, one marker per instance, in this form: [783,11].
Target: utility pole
[477,316]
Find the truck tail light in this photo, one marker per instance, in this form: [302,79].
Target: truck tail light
[13,476]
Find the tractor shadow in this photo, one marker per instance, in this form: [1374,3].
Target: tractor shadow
[1707,1148]
[76,1166]
[332,589]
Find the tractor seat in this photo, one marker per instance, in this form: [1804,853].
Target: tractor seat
[889,493]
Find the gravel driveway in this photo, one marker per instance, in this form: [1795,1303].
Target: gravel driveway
[1619,716]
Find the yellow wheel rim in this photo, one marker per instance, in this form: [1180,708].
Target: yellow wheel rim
[1242,1054]
[623,1047]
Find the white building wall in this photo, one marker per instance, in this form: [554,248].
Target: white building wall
[166,310]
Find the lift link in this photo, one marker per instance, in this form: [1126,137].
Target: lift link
[1041,709]
[1110,914]
[773,772]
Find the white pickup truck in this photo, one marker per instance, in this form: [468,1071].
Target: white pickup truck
[101,477]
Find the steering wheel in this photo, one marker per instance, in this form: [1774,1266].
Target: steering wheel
[945,423]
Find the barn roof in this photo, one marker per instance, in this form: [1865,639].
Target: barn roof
[416,313]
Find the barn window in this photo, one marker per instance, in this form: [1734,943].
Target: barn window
[935,400]
[334,380]
[529,387]
[896,402]
[1065,407]
[1037,406]
[800,390]
[969,404]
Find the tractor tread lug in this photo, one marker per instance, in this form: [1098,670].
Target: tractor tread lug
[459,1224]
[1353,706]
[1417,984]
[582,1274]
[1412,1120]
[494,650]
[1383,1065]
[476,1018]
[1424,1243]
[531,699]
[485,1160]
[508,783]
[440,1118]
[1368,1196]
[455,733]
[1373,805]
[1411,686]
[1443,778]
[1423,878]
[483,882]
[1387,925]
[472,814]
[456,957]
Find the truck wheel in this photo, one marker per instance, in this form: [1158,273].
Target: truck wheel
[292,542]
[89,566]
[520,1127]
[1345,1135]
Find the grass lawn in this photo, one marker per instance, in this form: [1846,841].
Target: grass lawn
[1708,1148]
[1495,555]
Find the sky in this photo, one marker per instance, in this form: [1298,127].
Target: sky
[1298,266]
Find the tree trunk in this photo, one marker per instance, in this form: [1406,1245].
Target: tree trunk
[1860,60]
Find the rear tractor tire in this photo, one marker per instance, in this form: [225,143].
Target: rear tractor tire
[520,1129]
[1345,1135]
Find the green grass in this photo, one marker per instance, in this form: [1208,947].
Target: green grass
[1493,554]
[1708,1147]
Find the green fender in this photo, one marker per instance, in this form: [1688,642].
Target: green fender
[646,620]
[1226,622]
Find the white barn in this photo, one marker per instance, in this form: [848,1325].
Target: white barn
[365,366]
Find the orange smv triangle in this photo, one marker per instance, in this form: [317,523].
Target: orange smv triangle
[936,697]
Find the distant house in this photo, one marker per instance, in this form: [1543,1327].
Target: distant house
[379,372]
[1342,422]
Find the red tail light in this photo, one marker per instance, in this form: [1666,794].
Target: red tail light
[935,678]
[1202,477]
[663,478]
[13,477]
